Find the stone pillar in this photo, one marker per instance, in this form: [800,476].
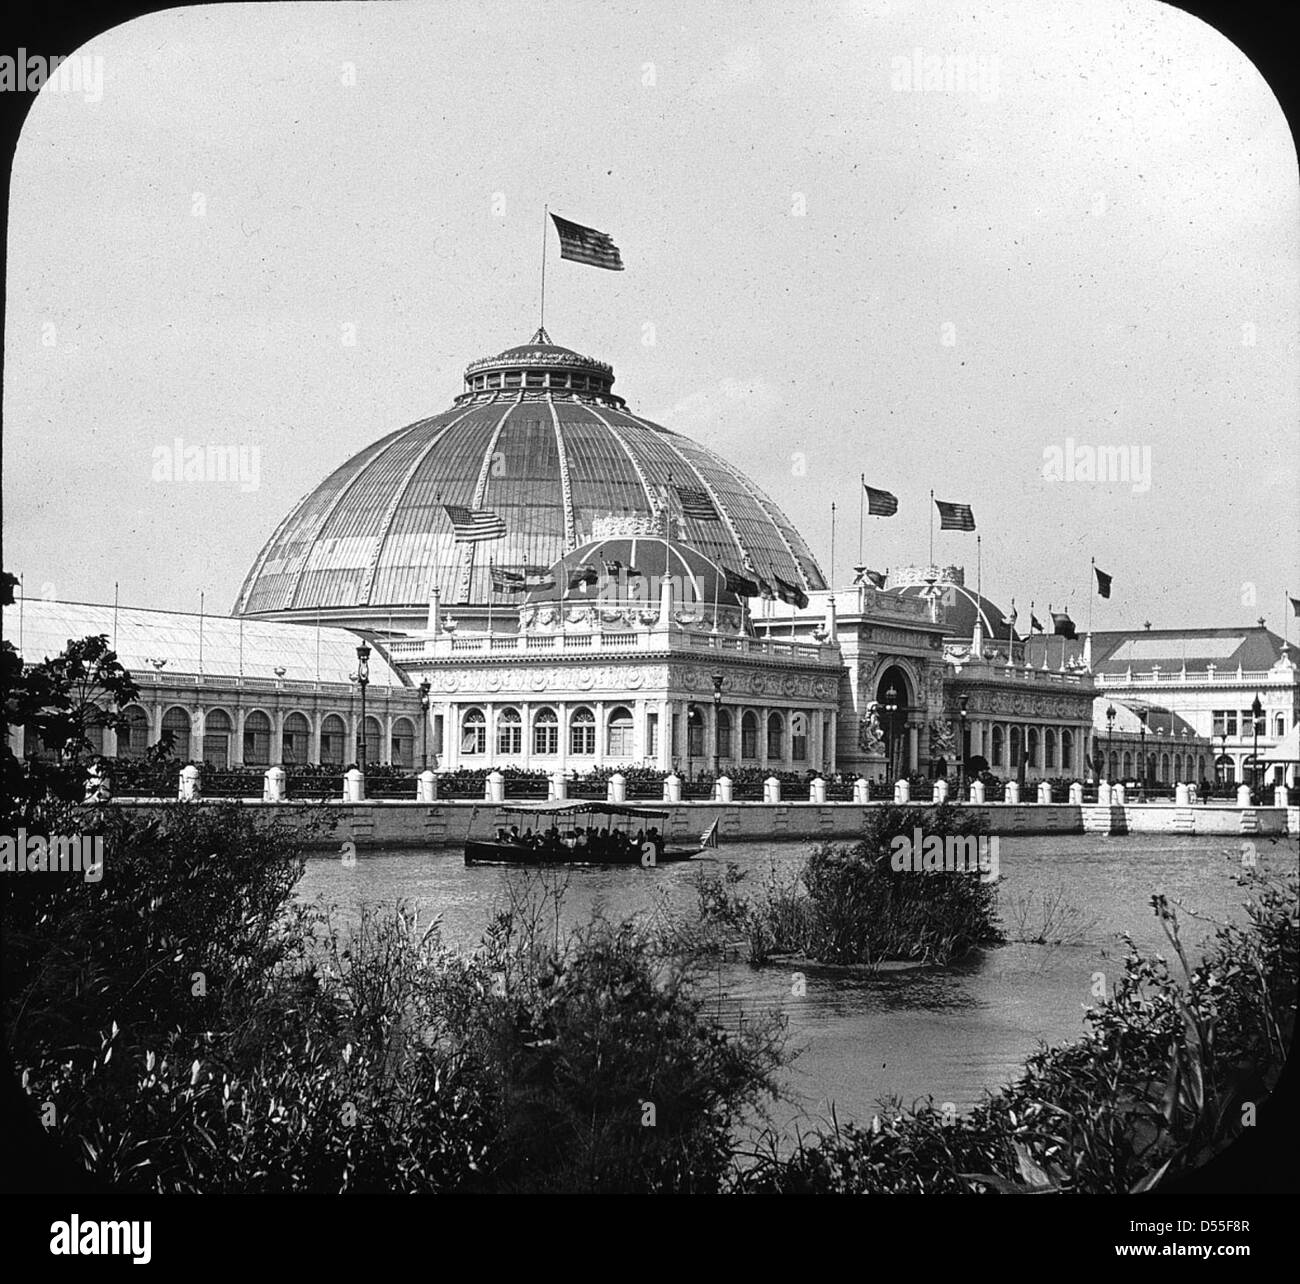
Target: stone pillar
[494,787]
[354,786]
[762,736]
[672,788]
[601,734]
[236,755]
[1117,795]
[1180,795]
[902,791]
[1103,794]
[817,790]
[861,790]
[977,791]
[277,737]
[664,757]
[273,785]
[1280,796]
[1013,791]
[317,723]
[1044,792]
[1076,794]
[557,789]
[722,789]
[426,787]
[771,790]
[1243,795]
[190,784]
[616,788]
[913,748]
[940,791]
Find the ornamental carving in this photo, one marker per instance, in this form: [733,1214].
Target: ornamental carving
[871,736]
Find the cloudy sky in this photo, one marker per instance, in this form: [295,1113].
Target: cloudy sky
[287,229]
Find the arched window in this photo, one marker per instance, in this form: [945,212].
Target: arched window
[257,739]
[133,738]
[582,732]
[296,748]
[1178,766]
[546,732]
[749,735]
[1016,742]
[1164,768]
[217,729]
[1279,725]
[723,747]
[998,741]
[1032,742]
[1225,772]
[799,737]
[775,734]
[177,721]
[374,740]
[510,733]
[1067,750]
[1049,748]
[1128,764]
[473,732]
[333,740]
[694,732]
[403,743]
[618,742]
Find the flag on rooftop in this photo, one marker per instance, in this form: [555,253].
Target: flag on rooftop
[791,594]
[582,576]
[740,585]
[1062,625]
[507,581]
[1103,583]
[1035,624]
[875,578]
[1295,603]
[697,504]
[880,503]
[473,525]
[955,517]
[586,245]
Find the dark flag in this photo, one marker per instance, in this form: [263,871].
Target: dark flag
[583,576]
[1062,625]
[740,585]
[955,517]
[791,594]
[1295,604]
[1035,624]
[586,245]
[876,578]
[1103,583]
[696,504]
[504,581]
[613,567]
[765,589]
[473,525]
[880,503]
[538,577]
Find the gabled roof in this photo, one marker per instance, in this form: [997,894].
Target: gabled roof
[1251,647]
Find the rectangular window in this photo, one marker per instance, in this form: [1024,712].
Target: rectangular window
[748,741]
[620,740]
[509,738]
[546,738]
[582,738]
[652,735]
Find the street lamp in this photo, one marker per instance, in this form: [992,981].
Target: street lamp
[424,704]
[1110,741]
[1142,780]
[717,709]
[363,681]
[1256,713]
[891,709]
[965,747]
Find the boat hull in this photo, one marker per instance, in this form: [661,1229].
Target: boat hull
[480,853]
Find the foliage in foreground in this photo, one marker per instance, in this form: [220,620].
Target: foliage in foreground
[1169,1073]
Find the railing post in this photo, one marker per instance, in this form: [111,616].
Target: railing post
[1280,796]
[354,786]
[426,787]
[1243,795]
[494,787]
[1013,791]
[190,784]
[771,790]
[1076,793]
[977,791]
[902,791]
[672,788]
[941,791]
[1180,795]
[557,789]
[1117,795]
[861,790]
[1044,792]
[273,785]
[817,790]
[616,788]
[722,790]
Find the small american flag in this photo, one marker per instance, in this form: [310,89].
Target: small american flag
[880,503]
[586,245]
[696,504]
[473,525]
[955,517]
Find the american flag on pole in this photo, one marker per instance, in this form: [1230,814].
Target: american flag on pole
[586,245]
[473,525]
[880,503]
[955,517]
[696,504]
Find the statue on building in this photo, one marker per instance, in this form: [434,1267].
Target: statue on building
[871,736]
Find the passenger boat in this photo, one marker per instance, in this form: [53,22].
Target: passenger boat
[557,839]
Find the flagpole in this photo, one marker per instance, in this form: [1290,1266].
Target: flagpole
[114,615]
[1092,589]
[932,528]
[546,213]
[979,572]
[491,593]
[862,509]
[201,633]
[832,546]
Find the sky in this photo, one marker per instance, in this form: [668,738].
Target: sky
[286,229]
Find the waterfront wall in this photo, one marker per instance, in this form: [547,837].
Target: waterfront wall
[415,825]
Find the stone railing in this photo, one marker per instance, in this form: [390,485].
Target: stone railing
[1181,677]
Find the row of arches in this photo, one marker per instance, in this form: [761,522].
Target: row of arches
[1049,749]
[1162,768]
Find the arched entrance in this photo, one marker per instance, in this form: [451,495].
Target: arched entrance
[895,696]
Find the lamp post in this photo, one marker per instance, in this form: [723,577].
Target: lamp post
[1142,778]
[363,681]
[717,709]
[891,709]
[424,704]
[964,747]
[1256,712]
[1110,741]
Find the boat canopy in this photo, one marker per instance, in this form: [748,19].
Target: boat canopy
[584,808]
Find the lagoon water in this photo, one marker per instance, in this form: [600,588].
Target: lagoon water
[953,1033]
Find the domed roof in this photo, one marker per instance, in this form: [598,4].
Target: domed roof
[632,569]
[957,602]
[538,439]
